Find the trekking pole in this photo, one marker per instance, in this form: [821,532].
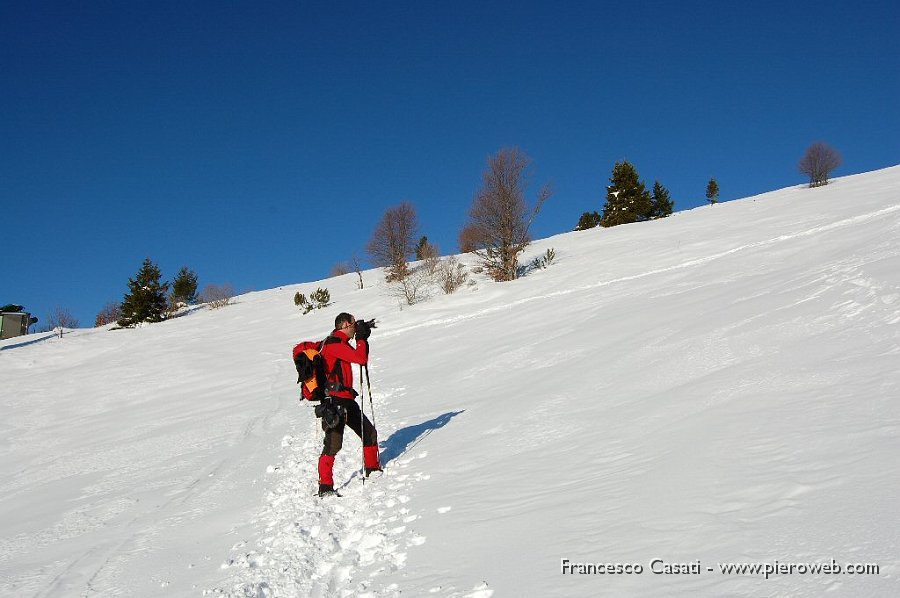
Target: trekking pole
[362,427]
[371,404]
[369,385]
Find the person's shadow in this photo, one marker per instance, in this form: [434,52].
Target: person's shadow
[405,438]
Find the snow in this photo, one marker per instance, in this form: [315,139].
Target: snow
[720,386]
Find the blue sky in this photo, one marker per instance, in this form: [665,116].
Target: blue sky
[258,143]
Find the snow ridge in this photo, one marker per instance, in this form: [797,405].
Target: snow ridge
[719,386]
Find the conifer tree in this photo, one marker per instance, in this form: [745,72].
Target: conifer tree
[146,299]
[184,287]
[662,203]
[588,220]
[422,248]
[627,200]
[712,191]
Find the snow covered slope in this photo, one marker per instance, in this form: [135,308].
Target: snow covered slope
[722,386]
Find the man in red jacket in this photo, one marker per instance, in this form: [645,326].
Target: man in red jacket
[339,359]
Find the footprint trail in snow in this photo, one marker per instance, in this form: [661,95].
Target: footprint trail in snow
[332,546]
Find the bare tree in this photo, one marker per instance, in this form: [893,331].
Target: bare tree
[61,318]
[392,241]
[818,162]
[431,258]
[426,249]
[357,267]
[499,219]
[340,269]
[110,313]
[415,287]
[216,296]
[468,238]
[451,274]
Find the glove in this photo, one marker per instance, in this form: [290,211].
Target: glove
[363,330]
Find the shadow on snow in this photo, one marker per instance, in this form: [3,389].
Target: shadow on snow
[405,438]
[29,342]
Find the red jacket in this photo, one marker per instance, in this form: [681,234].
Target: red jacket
[346,355]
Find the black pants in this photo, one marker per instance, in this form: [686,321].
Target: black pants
[334,438]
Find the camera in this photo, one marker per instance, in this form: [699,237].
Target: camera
[367,323]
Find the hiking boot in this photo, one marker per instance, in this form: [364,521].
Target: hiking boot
[370,459]
[327,490]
